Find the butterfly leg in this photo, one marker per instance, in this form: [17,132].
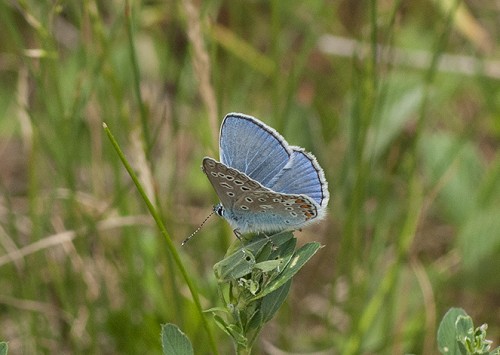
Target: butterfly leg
[237,233]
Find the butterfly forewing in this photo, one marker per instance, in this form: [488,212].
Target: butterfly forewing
[252,147]
[228,183]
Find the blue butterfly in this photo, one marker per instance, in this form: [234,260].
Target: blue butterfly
[263,183]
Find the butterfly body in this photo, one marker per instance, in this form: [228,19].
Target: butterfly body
[264,184]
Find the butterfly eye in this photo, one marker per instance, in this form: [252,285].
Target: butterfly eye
[219,210]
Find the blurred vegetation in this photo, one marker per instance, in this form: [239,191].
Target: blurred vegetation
[399,101]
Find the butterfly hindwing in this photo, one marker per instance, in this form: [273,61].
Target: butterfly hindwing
[271,211]
[302,175]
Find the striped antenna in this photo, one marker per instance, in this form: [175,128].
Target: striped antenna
[197,229]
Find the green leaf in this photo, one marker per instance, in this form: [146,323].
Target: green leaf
[281,238]
[242,261]
[269,265]
[273,301]
[238,335]
[447,332]
[285,253]
[236,265]
[269,306]
[464,326]
[285,248]
[464,333]
[216,309]
[277,259]
[174,341]
[221,323]
[255,245]
[457,335]
[232,330]
[249,284]
[4,348]
[299,258]
[272,245]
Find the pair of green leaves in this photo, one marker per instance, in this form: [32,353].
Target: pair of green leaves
[263,264]
[254,281]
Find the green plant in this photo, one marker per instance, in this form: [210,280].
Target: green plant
[253,279]
[401,110]
[457,335]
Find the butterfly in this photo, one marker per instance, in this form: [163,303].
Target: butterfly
[263,183]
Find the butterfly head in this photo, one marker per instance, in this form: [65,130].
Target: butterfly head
[219,210]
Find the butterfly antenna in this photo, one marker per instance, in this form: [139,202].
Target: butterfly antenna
[197,229]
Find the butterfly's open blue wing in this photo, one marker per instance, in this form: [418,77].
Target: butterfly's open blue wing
[302,175]
[253,148]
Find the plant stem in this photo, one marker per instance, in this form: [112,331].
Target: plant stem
[163,230]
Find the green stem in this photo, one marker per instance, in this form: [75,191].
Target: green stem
[243,351]
[137,81]
[163,230]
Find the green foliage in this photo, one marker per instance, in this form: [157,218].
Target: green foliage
[400,107]
[258,275]
[254,281]
[4,348]
[457,335]
[174,341]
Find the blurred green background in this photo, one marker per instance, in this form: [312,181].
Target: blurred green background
[399,101]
